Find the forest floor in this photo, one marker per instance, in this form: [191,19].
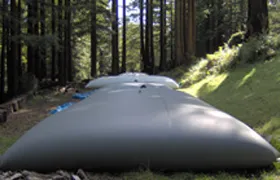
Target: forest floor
[251,93]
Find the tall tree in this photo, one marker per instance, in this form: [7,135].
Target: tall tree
[38,70]
[54,53]
[163,35]
[93,39]
[66,40]
[12,64]
[124,38]
[171,34]
[149,49]
[142,45]
[61,65]
[19,38]
[43,46]
[147,39]
[3,50]
[150,24]
[30,31]
[191,40]
[179,39]
[115,39]
[257,22]
[69,40]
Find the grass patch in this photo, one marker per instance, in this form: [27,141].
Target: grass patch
[6,142]
[252,94]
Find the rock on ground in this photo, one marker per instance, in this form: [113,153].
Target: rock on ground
[58,175]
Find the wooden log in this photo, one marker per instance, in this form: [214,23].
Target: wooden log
[15,105]
[3,115]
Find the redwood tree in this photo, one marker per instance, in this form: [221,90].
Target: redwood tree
[257,22]
[93,39]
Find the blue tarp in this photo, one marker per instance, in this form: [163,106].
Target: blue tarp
[61,107]
[64,106]
[82,96]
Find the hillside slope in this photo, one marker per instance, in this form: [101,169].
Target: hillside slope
[251,93]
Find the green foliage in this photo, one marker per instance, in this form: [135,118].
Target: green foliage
[259,48]
[82,58]
[215,63]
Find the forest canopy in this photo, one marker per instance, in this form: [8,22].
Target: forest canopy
[61,41]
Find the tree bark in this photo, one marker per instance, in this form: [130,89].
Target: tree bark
[19,39]
[3,51]
[179,40]
[124,38]
[30,31]
[54,53]
[163,35]
[191,44]
[152,55]
[93,39]
[43,46]
[38,70]
[66,40]
[147,41]
[69,45]
[257,22]
[142,48]
[61,61]
[12,64]
[171,35]
[115,37]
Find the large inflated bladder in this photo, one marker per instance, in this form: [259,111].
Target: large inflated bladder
[132,77]
[131,125]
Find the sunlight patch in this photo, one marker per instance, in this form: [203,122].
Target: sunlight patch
[270,127]
[211,83]
[247,77]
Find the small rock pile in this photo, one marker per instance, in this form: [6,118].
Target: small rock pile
[59,175]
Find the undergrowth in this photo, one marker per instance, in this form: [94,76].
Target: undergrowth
[228,57]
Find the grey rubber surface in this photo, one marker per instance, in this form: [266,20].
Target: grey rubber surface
[125,126]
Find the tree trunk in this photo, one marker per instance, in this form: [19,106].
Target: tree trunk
[257,22]
[152,55]
[43,46]
[211,28]
[149,50]
[13,59]
[38,70]
[179,40]
[30,31]
[3,51]
[171,35]
[69,45]
[219,32]
[54,53]
[61,65]
[124,38]
[147,39]
[19,39]
[142,48]
[191,44]
[93,39]
[66,40]
[115,41]
[163,35]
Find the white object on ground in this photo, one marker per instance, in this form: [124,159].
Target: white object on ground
[132,77]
